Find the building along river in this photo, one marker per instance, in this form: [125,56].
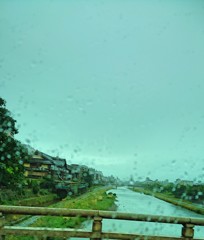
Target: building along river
[133,202]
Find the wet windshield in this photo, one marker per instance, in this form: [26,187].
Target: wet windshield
[102,93]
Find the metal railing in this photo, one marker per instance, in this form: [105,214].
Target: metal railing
[187,231]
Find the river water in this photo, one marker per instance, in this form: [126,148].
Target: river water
[133,202]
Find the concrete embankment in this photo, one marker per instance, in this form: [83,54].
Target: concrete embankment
[176,201]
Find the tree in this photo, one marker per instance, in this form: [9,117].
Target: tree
[88,178]
[12,152]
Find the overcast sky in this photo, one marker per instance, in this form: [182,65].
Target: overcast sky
[116,85]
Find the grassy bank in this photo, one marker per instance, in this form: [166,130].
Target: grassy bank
[97,199]
[170,199]
[26,197]
[37,201]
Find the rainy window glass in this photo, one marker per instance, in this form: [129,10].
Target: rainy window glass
[101,108]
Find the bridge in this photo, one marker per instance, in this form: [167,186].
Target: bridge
[97,233]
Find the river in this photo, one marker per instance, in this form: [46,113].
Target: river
[133,202]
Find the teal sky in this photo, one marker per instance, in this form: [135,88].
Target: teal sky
[116,85]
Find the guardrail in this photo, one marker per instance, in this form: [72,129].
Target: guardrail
[187,231]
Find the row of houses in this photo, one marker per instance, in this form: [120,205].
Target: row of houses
[42,165]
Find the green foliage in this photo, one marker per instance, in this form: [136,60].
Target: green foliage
[182,190]
[7,123]
[36,188]
[88,178]
[12,152]
[34,185]
[48,183]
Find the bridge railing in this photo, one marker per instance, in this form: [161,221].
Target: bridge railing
[187,230]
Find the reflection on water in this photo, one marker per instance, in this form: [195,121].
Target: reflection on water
[132,202]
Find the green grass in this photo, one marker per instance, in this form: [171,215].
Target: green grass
[32,202]
[38,201]
[168,197]
[97,199]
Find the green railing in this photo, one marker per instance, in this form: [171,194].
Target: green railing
[187,224]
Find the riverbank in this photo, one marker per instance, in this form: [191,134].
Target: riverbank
[176,201]
[37,201]
[96,199]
